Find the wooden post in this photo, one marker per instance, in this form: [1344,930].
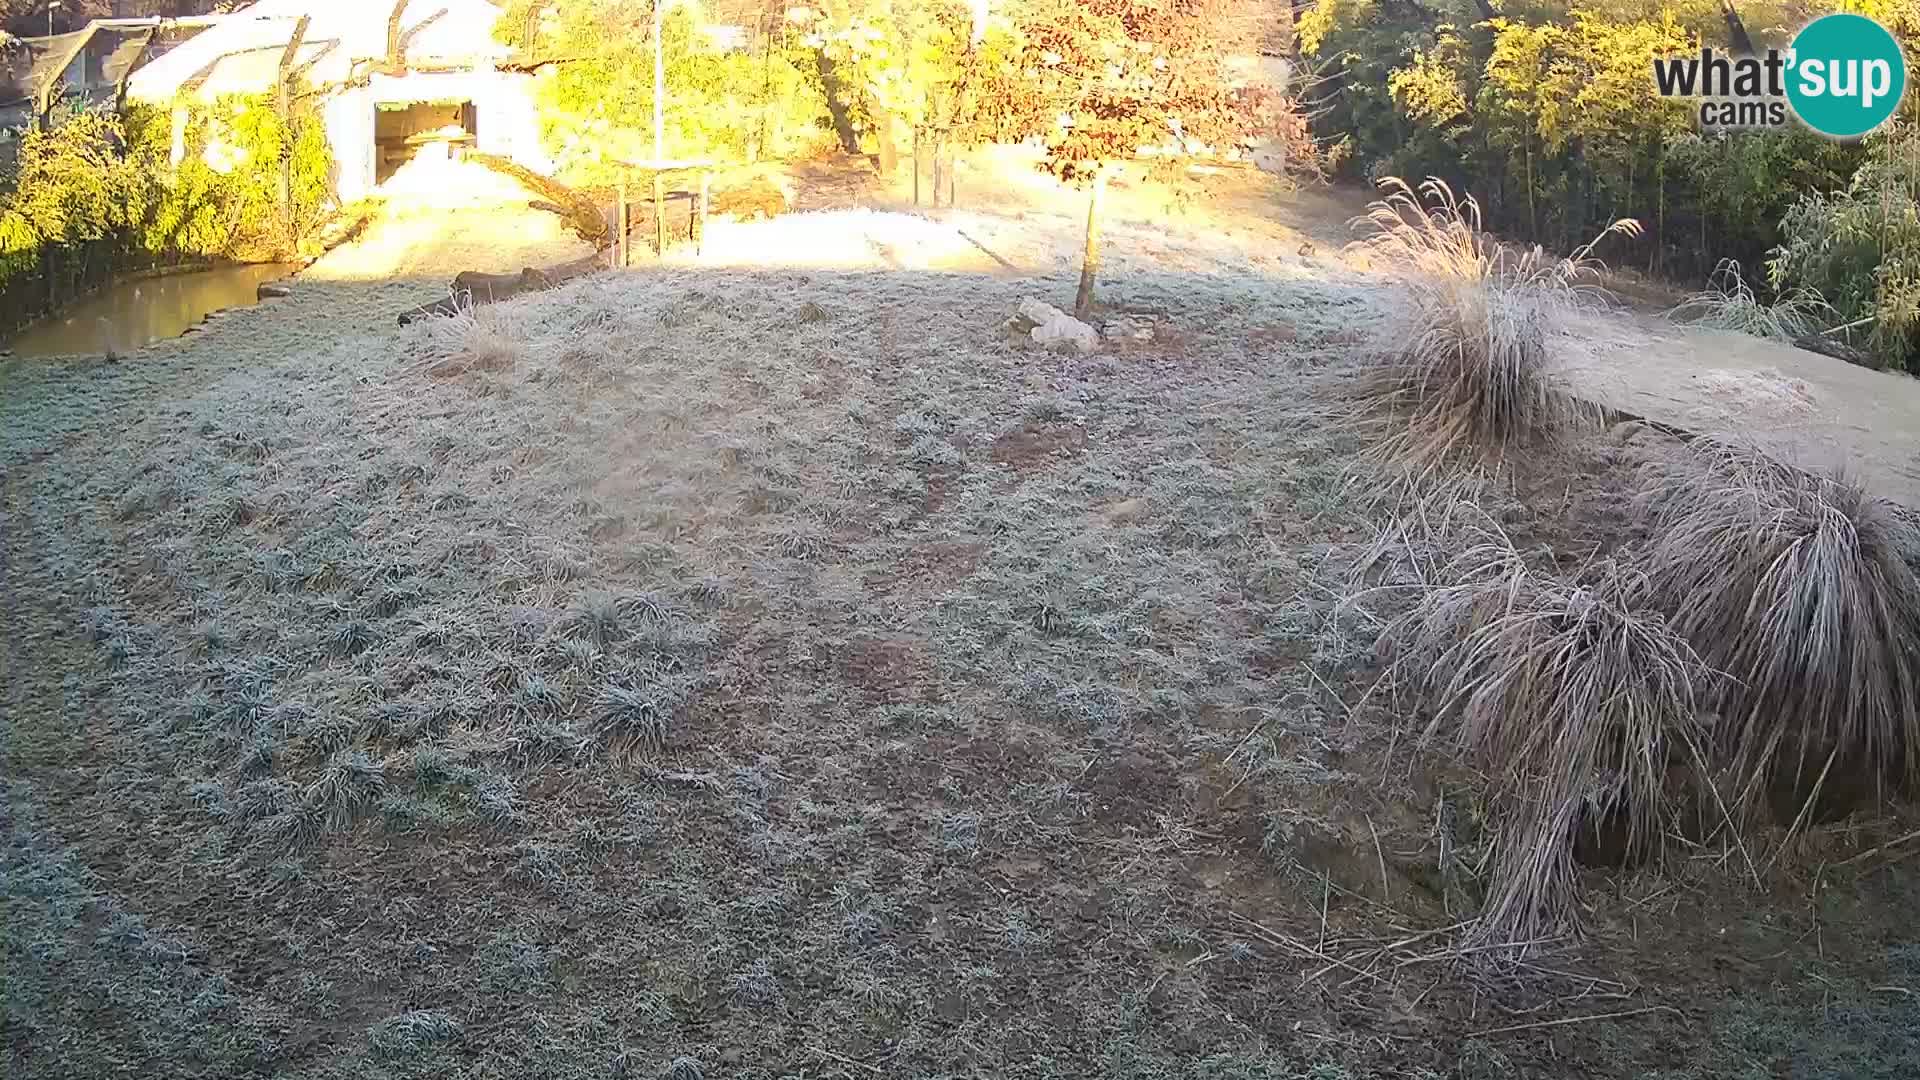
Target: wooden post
[49,273]
[939,142]
[177,153]
[284,107]
[620,223]
[889,154]
[700,239]
[659,213]
[49,92]
[120,85]
[1090,258]
[952,177]
[395,46]
[916,164]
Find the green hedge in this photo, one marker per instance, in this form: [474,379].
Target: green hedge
[96,192]
[1549,116]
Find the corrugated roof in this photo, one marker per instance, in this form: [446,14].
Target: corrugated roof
[94,59]
[35,60]
[127,48]
[242,54]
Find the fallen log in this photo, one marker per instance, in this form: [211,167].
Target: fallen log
[472,288]
[436,310]
[488,288]
[580,212]
[1840,350]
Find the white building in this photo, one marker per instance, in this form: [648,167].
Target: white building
[390,75]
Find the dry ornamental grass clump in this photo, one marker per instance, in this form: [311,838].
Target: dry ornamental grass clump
[1466,371]
[1573,695]
[1801,587]
[1729,303]
[1758,658]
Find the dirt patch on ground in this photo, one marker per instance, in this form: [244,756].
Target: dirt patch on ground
[886,669]
[1573,501]
[1278,334]
[1129,788]
[928,569]
[1036,444]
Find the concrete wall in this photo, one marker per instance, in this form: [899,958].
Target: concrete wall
[510,125]
[504,114]
[349,119]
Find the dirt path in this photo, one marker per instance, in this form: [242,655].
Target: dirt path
[1806,406]
[438,218]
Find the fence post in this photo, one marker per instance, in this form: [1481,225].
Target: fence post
[283,108]
[659,213]
[939,160]
[50,275]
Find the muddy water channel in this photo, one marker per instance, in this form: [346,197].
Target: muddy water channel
[127,315]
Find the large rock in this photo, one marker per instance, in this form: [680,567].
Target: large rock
[1056,329]
[1037,311]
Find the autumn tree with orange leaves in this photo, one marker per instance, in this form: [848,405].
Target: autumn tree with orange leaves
[1130,79]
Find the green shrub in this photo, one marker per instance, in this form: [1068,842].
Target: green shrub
[73,182]
[224,196]
[94,178]
[598,107]
[1549,113]
[1859,248]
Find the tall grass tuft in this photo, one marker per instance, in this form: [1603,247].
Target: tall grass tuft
[1729,303]
[1801,587]
[350,782]
[639,718]
[1575,697]
[474,338]
[1468,372]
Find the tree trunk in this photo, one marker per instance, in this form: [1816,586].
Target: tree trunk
[283,108]
[888,153]
[1660,216]
[1533,216]
[1736,30]
[837,103]
[939,164]
[1090,260]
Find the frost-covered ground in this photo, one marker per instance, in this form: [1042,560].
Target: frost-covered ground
[793,671]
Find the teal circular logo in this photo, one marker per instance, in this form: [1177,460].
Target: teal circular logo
[1845,75]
